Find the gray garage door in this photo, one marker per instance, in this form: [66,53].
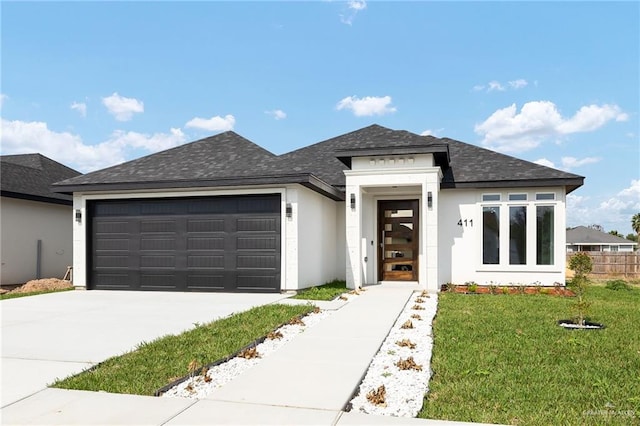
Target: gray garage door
[186,244]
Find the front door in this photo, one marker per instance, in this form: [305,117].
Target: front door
[398,232]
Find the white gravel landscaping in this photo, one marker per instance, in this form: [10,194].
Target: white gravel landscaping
[404,390]
[216,377]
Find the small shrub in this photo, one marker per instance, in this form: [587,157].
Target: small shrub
[617,285]
[408,364]
[505,290]
[493,289]
[377,396]
[581,264]
[472,286]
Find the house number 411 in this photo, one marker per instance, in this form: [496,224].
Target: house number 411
[466,222]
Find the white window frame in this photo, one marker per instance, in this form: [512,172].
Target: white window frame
[531,205]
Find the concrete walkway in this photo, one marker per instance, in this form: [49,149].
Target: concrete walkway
[308,381]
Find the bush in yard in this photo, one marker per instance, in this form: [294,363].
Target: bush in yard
[581,264]
[617,285]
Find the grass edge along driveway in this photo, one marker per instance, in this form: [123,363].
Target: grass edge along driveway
[503,359]
[157,363]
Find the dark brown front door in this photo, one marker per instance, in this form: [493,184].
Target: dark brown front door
[398,232]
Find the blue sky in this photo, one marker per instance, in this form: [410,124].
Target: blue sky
[95,84]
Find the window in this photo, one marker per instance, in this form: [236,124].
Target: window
[544,235]
[491,235]
[490,197]
[517,235]
[517,197]
[546,196]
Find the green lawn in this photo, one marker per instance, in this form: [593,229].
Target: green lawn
[328,291]
[33,293]
[155,364]
[503,359]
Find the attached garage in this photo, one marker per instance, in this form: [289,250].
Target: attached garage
[222,243]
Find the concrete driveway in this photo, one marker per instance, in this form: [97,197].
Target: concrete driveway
[55,335]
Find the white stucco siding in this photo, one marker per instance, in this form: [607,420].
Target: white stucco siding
[318,241]
[25,222]
[389,182]
[460,238]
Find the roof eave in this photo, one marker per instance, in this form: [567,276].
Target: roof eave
[570,184]
[305,179]
[39,198]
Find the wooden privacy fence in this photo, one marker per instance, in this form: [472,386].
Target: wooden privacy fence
[614,263]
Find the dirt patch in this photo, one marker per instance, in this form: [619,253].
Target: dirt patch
[44,284]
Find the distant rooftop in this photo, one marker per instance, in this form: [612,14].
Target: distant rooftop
[30,176]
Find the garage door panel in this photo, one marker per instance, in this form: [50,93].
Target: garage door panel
[206,262]
[257,224]
[158,226]
[208,244]
[205,243]
[163,282]
[157,244]
[205,225]
[256,243]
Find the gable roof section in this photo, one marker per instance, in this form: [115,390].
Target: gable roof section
[469,166]
[29,177]
[475,167]
[581,235]
[228,159]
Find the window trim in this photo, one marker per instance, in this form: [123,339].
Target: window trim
[531,204]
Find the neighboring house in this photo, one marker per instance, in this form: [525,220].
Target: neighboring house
[582,238]
[35,223]
[372,205]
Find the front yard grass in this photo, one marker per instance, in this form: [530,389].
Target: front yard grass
[33,293]
[157,363]
[328,291]
[503,359]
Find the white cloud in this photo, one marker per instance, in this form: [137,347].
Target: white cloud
[591,117]
[518,84]
[21,137]
[122,108]
[612,213]
[213,124]
[545,162]
[572,162]
[430,132]
[152,143]
[353,7]
[367,106]
[3,98]
[495,85]
[624,204]
[509,131]
[81,107]
[278,114]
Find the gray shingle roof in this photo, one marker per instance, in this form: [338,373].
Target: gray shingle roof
[229,159]
[589,236]
[29,176]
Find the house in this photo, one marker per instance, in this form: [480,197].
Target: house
[368,206]
[582,238]
[36,237]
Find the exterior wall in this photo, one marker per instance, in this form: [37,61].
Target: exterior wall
[386,178]
[571,248]
[312,250]
[25,222]
[460,246]
[317,239]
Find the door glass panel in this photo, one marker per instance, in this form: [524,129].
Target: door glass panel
[398,254]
